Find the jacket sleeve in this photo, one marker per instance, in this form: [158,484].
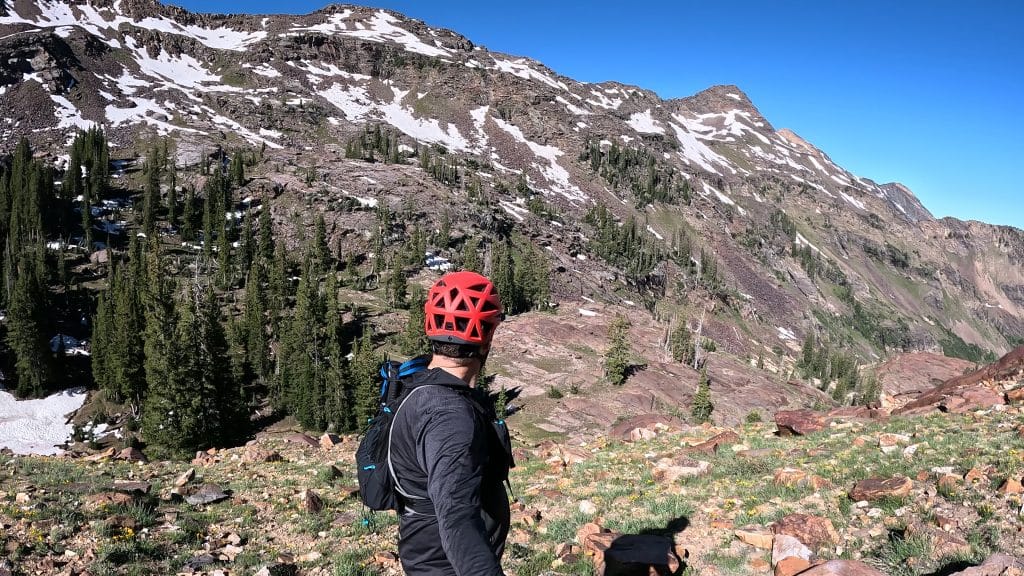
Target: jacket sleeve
[453,453]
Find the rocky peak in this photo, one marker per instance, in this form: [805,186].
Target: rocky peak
[905,200]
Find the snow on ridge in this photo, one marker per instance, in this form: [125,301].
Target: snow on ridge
[554,173]
[853,201]
[709,189]
[785,333]
[604,101]
[693,151]
[57,14]
[800,240]
[572,107]
[68,115]
[356,104]
[266,70]
[520,67]
[645,123]
[382,28]
[145,110]
[479,116]
[182,72]
[336,23]
[37,426]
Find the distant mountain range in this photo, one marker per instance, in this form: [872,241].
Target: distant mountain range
[799,245]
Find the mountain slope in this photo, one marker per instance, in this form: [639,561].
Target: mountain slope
[801,245]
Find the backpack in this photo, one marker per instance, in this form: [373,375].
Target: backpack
[378,486]
[377,482]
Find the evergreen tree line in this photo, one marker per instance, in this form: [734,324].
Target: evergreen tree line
[836,370]
[375,144]
[637,170]
[33,210]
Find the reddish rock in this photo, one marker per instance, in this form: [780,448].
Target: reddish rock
[711,446]
[586,530]
[923,476]
[916,372]
[1015,396]
[1007,367]
[311,502]
[799,422]
[132,455]
[302,439]
[1011,486]
[877,488]
[995,565]
[842,568]
[254,454]
[108,453]
[105,500]
[948,483]
[814,531]
[596,544]
[328,441]
[791,565]
[756,537]
[977,474]
[185,477]
[651,422]
[798,478]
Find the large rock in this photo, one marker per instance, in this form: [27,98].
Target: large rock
[785,546]
[644,426]
[874,489]
[756,537]
[207,494]
[711,445]
[842,568]
[670,470]
[799,422]
[815,531]
[995,565]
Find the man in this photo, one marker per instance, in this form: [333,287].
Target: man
[448,459]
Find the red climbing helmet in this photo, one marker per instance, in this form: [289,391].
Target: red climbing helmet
[462,308]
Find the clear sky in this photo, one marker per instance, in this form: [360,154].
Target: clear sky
[927,93]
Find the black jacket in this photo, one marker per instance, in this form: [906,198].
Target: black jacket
[444,449]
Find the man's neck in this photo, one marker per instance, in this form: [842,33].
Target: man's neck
[454,366]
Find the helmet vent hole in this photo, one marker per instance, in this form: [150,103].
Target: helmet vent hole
[461,324]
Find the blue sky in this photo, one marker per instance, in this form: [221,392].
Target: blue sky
[927,93]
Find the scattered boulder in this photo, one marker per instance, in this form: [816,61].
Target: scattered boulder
[301,439]
[710,446]
[278,569]
[328,441]
[311,502]
[798,422]
[644,426]
[255,454]
[185,477]
[669,470]
[874,489]
[995,565]
[816,532]
[132,455]
[842,568]
[756,537]
[104,500]
[977,474]
[791,565]
[207,494]
[786,546]
[1011,486]
[799,479]
[1015,396]
[132,487]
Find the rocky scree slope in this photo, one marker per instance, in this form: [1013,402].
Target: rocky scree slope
[801,245]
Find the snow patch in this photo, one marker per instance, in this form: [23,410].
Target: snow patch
[554,173]
[572,108]
[853,201]
[785,333]
[37,426]
[801,241]
[604,101]
[520,67]
[645,123]
[587,313]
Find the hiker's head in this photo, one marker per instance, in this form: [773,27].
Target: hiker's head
[462,312]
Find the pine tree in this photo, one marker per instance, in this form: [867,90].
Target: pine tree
[397,285]
[151,194]
[617,358]
[26,319]
[266,234]
[338,390]
[413,340]
[471,256]
[363,369]
[702,407]
[681,344]
[163,421]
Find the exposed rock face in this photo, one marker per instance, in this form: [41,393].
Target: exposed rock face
[877,488]
[973,391]
[915,372]
[799,422]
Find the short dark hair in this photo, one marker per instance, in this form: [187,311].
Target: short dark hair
[455,350]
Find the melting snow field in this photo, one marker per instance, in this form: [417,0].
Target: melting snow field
[37,426]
